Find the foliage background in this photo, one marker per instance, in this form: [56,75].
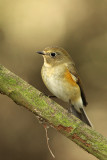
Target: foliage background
[27,26]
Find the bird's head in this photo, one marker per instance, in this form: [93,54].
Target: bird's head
[54,56]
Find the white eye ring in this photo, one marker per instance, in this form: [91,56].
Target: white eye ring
[53,54]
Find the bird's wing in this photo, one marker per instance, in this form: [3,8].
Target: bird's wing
[73,71]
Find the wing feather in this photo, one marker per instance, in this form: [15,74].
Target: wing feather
[73,71]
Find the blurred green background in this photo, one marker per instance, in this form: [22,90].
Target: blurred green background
[27,26]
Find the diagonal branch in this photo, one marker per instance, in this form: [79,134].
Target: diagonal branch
[26,95]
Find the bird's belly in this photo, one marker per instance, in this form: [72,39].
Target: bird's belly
[61,88]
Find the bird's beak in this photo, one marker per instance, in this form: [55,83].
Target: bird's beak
[41,52]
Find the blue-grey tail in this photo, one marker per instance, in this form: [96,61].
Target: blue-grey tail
[82,115]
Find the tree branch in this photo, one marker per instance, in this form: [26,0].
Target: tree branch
[26,95]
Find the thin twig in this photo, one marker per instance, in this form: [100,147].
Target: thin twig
[47,140]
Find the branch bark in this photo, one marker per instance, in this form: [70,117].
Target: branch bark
[27,96]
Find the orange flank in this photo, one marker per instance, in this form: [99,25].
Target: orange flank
[69,78]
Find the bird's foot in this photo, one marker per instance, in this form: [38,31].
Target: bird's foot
[49,96]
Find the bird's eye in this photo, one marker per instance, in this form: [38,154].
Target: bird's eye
[52,54]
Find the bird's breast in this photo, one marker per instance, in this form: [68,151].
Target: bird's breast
[60,82]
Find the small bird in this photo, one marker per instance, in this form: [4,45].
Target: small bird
[61,78]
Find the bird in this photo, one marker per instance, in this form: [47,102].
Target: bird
[60,76]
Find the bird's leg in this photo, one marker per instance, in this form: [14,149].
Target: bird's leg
[70,107]
[51,96]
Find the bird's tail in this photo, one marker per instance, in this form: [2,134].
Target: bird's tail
[82,115]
